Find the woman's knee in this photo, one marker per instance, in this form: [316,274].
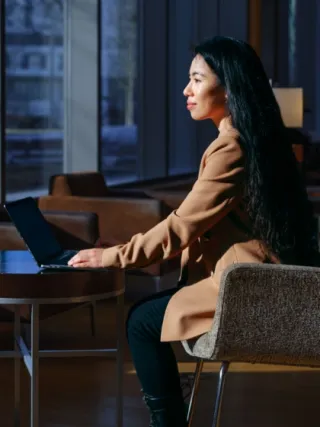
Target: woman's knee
[134,320]
[144,321]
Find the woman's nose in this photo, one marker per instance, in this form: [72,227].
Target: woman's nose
[187,90]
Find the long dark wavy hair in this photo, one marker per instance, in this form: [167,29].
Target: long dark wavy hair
[275,193]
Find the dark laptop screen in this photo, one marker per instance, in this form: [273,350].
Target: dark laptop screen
[34,229]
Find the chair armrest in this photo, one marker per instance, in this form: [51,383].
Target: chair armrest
[265,314]
[73,230]
[172,199]
[126,192]
[119,219]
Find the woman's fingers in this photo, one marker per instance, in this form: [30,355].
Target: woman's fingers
[87,258]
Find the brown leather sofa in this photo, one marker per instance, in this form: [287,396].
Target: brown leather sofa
[87,184]
[119,219]
[122,212]
[73,230]
[93,184]
[170,191]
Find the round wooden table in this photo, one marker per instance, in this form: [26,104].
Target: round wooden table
[28,290]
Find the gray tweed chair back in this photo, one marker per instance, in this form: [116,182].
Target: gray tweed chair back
[266,313]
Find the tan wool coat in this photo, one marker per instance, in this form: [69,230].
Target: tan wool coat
[210,228]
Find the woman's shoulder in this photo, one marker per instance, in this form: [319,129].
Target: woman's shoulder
[227,139]
[226,142]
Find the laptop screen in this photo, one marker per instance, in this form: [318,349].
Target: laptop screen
[34,229]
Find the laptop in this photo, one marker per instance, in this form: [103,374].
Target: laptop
[38,235]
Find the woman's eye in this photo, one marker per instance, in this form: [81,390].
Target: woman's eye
[197,80]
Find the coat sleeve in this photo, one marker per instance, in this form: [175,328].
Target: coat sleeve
[217,190]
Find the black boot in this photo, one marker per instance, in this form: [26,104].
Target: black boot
[168,411]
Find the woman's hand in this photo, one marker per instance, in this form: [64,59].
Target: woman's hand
[88,258]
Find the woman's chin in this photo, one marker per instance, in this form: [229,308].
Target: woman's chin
[196,116]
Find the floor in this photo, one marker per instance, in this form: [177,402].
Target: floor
[80,392]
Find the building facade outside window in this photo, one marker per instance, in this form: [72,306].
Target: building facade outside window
[118,94]
[34,95]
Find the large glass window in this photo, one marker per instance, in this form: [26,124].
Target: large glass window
[119,59]
[34,95]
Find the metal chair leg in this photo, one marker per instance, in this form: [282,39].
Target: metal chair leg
[120,360]
[194,393]
[17,366]
[35,366]
[217,409]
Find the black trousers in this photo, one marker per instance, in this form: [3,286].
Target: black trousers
[155,361]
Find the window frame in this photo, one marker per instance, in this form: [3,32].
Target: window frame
[81,100]
[3,103]
[317,73]
[158,131]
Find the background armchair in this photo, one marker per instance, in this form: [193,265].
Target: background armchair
[121,212]
[73,230]
[87,184]
[171,191]
[93,184]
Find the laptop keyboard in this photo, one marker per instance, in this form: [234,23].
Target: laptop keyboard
[60,266]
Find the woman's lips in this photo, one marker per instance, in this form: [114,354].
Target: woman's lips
[190,105]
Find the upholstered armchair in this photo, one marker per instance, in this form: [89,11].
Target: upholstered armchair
[121,212]
[265,314]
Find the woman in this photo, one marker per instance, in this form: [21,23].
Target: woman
[248,205]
